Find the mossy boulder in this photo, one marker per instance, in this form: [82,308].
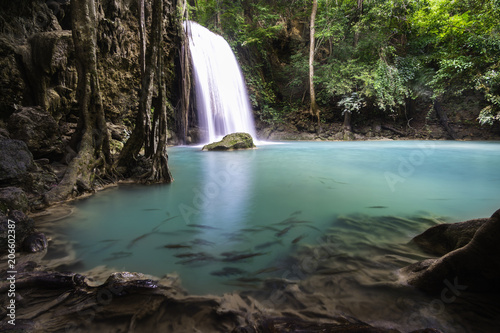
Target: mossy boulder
[232,141]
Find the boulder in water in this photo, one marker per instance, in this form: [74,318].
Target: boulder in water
[232,141]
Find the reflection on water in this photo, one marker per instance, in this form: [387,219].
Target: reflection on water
[227,186]
[232,220]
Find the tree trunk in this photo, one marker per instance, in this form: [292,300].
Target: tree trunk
[141,134]
[142,36]
[347,121]
[146,94]
[348,115]
[155,50]
[94,157]
[360,12]
[314,109]
[160,172]
[347,132]
[183,113]
[218,22]
[443,119]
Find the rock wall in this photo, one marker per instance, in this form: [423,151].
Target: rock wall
[20,20]
[37,62]
[38,66]
[38,78]
[118,58]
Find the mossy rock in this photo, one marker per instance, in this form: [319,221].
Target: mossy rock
[234,141]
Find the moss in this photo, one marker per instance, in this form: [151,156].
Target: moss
[116,146]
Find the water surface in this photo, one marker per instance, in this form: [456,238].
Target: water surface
[271,202]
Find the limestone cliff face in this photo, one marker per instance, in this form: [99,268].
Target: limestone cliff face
[38,66]
[37,62]
[119,70]
[20,20]
[39,78]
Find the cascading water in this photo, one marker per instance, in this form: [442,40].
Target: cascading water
[221,94]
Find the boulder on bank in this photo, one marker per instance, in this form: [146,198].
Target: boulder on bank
[13,198]
[16,161]
[232,141]
[474,266]
[38,129]
[18,221]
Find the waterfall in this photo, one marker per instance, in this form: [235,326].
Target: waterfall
[221,95]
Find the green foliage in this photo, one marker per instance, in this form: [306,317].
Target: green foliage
[390,86]
[462,43]
[265,25]
[489,84]
[351,103]
[338,79]
[270,115]
[297,73]
[242,22]
[330,23]
[258,88]
[374,58]
[453,72]
[361,71]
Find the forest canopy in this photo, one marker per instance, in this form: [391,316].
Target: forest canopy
[370,55]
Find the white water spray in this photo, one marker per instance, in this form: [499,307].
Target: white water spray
[221,94]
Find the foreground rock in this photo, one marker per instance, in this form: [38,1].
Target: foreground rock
[13,198]
[22,180]
[472,263]
[27,239]
[232,141]
[127,302]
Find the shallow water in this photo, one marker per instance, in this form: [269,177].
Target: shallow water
[231,219]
